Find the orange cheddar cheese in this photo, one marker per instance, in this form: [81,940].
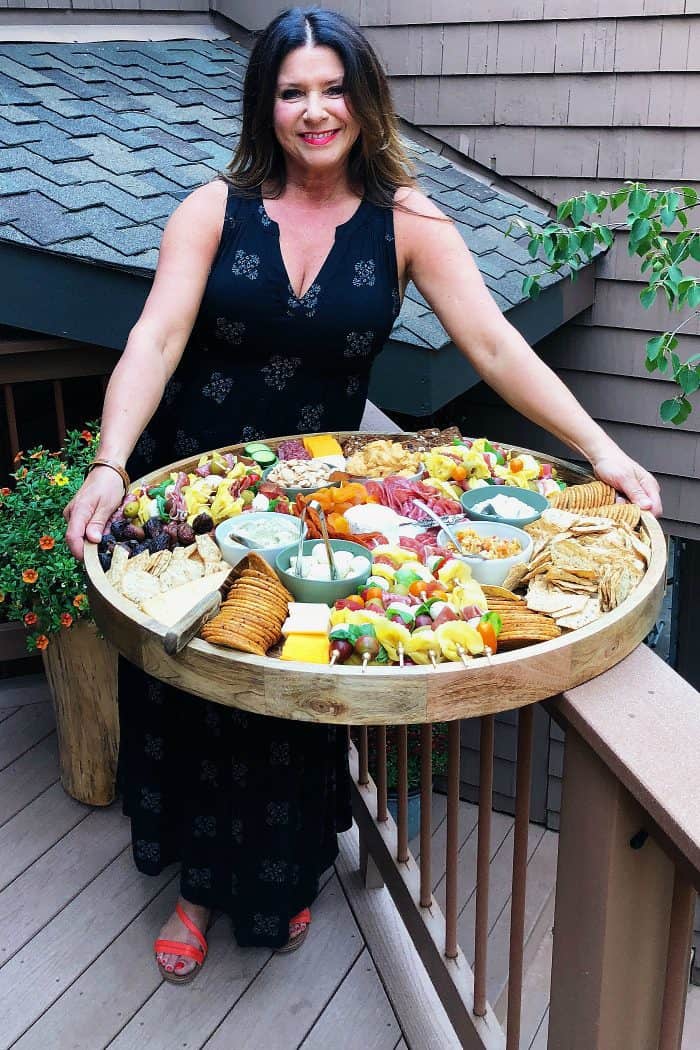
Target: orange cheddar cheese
[307,649]
[322,445]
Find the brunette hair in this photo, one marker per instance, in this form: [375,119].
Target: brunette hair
[378,162]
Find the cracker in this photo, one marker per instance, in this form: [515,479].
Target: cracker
[207,549]
[120,557]
[138,585]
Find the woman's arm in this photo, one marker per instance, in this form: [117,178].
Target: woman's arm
[154,348]
[434,256]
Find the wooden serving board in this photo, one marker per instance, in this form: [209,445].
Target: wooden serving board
[382,695]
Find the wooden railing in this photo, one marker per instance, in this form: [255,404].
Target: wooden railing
[628,871]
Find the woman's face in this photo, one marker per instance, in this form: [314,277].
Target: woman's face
[312,121]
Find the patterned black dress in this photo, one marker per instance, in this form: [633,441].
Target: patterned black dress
[251,805]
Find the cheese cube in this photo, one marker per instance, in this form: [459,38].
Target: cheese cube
[322,445]
[307,618]
[307,648]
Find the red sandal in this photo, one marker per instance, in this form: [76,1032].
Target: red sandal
[180,948]
[302,921]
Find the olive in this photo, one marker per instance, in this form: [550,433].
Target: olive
[202,523]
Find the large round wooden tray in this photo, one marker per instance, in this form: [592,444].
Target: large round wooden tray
[380,695]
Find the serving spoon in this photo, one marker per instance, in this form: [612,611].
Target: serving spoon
[439,521]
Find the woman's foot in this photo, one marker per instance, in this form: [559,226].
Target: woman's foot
[175,930]
[298,929]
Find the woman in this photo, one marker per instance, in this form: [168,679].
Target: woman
[282,282]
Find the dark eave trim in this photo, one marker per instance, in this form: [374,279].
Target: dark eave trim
[59,296]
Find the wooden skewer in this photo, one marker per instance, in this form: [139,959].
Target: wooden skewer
[400,651]
[463,655]
[365,661]
[433,658]
[334,657]
[489,653]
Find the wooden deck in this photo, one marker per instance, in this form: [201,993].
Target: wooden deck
[77,922]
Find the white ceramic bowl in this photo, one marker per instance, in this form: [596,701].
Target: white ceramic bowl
[491,571]
[232,551]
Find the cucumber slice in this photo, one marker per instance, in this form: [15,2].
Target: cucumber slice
[263,457]
[254,446]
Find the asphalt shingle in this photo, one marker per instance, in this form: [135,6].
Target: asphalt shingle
[100,141]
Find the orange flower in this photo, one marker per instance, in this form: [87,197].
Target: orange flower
[79,600]
[5,491]
[30,575]
[86,435]
[42,641]
[47,543]
[37,455]
[30,619]
[18,457]
[21,473]
[66,619]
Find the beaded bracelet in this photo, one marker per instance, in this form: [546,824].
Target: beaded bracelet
[126,480]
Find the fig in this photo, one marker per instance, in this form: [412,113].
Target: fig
[107,544]
[153,528]
[170,530]
[139,548]
[185,534]
[118,528]
[202,523]
[105,560]
[134,532]
[161,542]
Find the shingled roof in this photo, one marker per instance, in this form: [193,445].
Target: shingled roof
[100,141]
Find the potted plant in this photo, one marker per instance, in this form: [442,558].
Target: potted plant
[44,588]
[439,766]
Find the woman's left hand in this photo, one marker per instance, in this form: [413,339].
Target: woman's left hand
[628,477]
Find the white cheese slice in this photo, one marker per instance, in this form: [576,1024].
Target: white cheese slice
[170,606]
[307,618]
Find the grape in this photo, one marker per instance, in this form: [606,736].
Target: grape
[367,644]
[423,620]
[342,648]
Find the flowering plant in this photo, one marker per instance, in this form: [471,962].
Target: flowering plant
[41,584]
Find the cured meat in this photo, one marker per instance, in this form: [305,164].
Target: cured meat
[399,494]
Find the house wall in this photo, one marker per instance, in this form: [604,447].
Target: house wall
[58,9]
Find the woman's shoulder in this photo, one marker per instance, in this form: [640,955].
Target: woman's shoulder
[206,201]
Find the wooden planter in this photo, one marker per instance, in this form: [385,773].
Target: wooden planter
[384,695]
[82,672]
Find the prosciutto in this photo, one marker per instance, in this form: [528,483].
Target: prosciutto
[399,494]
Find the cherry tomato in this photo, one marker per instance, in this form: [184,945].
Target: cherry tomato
[418,588]
[488,634]
[459,473]
[435,591]
[515,465]
[372,592]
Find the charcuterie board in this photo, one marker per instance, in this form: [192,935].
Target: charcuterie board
[386,695]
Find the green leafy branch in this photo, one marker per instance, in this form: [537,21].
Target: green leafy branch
[649,214]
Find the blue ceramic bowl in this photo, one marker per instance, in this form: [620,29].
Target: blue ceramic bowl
[328,591]
[536,502]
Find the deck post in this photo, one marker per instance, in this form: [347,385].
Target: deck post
[612,914]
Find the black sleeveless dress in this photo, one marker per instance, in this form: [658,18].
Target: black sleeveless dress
[250,805]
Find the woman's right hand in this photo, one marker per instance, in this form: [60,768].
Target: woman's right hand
[91,508]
